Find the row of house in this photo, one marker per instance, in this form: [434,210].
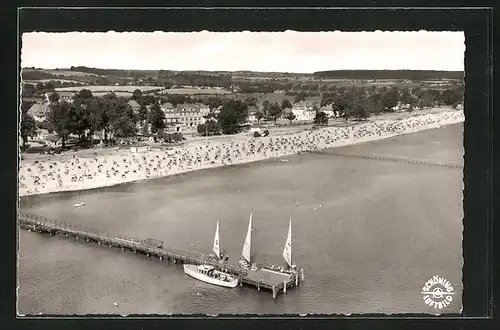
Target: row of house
[183,118]
[186,117]
[63,96]
[303,111]
[40,108]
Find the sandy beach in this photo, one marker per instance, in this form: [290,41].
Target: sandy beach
[121,166]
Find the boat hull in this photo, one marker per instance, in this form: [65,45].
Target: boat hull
[192,270]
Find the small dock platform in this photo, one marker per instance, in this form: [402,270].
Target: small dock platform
[263,278]
[271,280]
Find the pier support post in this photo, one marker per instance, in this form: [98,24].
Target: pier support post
[241,281]
[297,279]
[284,286]
[161,258]
[175,261]
[258,286]
[274,292]
[99,243]
[302,274]
[147,255]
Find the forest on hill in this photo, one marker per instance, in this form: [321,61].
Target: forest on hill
[417,75]
[389,74]
[114,72]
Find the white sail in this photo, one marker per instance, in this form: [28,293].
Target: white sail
[287,251]
[216,241]
[248,241]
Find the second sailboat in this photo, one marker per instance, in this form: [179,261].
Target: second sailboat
[245,260]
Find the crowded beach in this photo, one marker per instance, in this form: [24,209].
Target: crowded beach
[79,172]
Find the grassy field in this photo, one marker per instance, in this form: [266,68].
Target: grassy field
[69,73]
[119,94]
[273,97]
[64,72]
[194,91]
[55,79]
[105,89]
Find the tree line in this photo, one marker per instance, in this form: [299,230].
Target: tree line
[83,117]
[40,88]
[170,79]
[114,117]
[361,102]
[390,74]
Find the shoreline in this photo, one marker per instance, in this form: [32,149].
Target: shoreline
[188,159]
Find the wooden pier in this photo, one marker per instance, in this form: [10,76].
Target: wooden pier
[428,162]
[263,278]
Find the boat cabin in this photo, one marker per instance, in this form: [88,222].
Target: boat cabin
[206,270]
[210,271]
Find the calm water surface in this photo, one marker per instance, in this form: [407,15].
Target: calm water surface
[368,234]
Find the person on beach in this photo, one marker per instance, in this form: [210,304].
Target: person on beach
[80,173]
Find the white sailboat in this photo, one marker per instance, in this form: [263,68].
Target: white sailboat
[287,255]
[216,248]
[287,251]
[245,261]
[209,274]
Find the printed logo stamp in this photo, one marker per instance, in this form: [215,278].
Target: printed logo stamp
[437,292]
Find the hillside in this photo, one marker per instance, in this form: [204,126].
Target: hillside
[389,74]
[83,71]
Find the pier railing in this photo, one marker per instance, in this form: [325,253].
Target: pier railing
[150,246]
[155,248]
[428,162]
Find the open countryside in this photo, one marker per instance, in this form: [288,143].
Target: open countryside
[195,91]
[108,89]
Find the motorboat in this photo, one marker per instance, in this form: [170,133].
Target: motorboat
[209,274]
